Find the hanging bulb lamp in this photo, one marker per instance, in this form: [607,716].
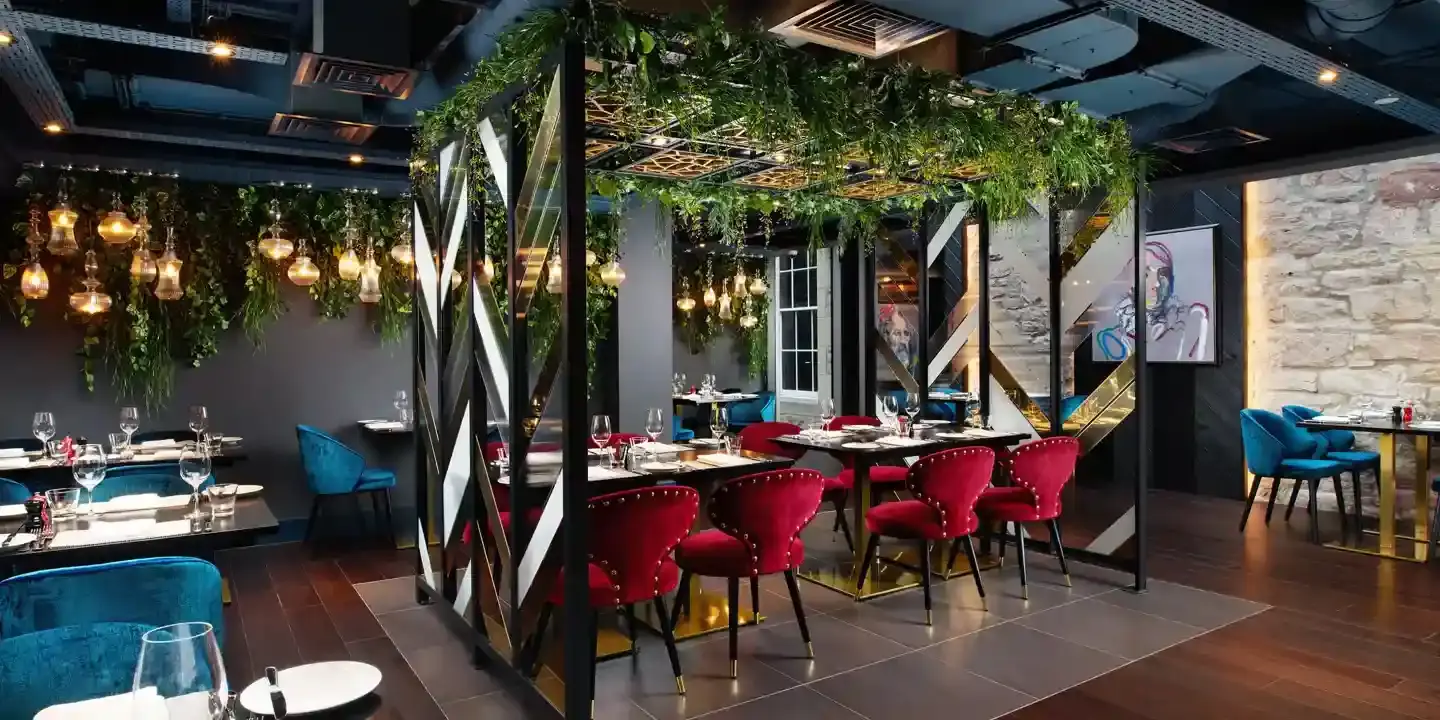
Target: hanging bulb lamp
[403,253]
[590,257]
[612,274]
[487,269]
[62,216]
[709,297]
[757,286]
[740,280]
[116,228]
[90,300]
[303,271]
[167,271]
[142,265]
[685,303]
[34,283]
[456,279]
[349,266]
[370,278]
[273,243]
[748,321]
[62,241]
[725,305]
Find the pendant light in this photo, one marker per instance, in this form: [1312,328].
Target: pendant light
[62,226]
[116,228]
[685,302]
[740,280]
[370,278]
[349,265]
[757,286]
[167,285]
[142,264]
[554,281]
[34,283]
[709,297]
[487,269]
[725,304]
[590,257]
[90,300]
[612,274]
[303,271]
[273,243]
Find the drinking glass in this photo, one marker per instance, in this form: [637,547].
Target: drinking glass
[683,386]
[732,446]
[194,468]
[119,443]
[63,502]
[719,421]
[912,405]
[89,471]
[889,409]
[43,427]
[180,674]
[222,499]
[675,385]
[600,432]
[199,420]
[129,422]
[402,405]
[654,423]
[502,455]
[827,413]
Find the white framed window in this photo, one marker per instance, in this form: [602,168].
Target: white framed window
[797,342]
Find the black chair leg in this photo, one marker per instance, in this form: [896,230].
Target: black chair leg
[1434,528]
[1275,486]
[871,548]
[1059,549]
[1340,503]
[314,518]
[794,586]
[975,569]
[1020,552]
[630,629]
[1004,535]
[734,588]
[1250,503]
[360,515]
[685,577]
[755,599]
[1359,514]
[667,631]
[594,661]
[375,508]
[389,517]
[1314,512]
[925,580]
[841,502]
[954,552]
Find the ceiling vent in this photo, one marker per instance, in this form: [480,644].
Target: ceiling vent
[354,76]
[1218,139]
[859,27]
[313,128]
[360,47]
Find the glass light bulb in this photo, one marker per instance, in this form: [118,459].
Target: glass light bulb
[167,285]
[142,265]
[725,305]
[709,297]
[748,321]
[612,274]
[116,228]
[369,281]
[274,245]
[90,301]
[34,283]
[404,253]
[685,303]
[303,271]
[62,216]
[757,286]
[349,265]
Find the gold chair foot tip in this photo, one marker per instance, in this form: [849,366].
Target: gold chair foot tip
[809,650]
[1067,581]
[734,669]
[680,685]
[929,618]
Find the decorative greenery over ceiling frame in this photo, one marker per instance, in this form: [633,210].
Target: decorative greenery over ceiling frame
[699,325]
[141,339]
[719,123]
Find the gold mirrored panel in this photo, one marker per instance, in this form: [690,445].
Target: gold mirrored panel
[596,148]
[680,164]
[779,178]
[877,189]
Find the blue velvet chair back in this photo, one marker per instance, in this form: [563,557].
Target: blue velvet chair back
[13,493]
[67,664]
[331,468]
[761,409]
[1338,439]
[163,480]
[1269,438]
[149,591]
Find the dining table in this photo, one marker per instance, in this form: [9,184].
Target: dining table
[1387,431]
[40,473]
[860,448]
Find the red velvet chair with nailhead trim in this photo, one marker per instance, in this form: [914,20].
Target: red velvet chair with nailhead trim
[946,486]
[758,519]
[1039,471]
[838,487]
[632,536]
[760,437]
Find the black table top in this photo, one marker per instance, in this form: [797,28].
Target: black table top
[685,474]
[717,399]
[1385,426]
[135,532]
[890,452]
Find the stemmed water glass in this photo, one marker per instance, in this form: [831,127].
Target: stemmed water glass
[129,422]
[180,674]
[402,405]
[43,427]
[912,406]
[199,419]
[654,423]
[89,471]
[600,434]
[719,421]
[889,409]
[827,413]
[194,469]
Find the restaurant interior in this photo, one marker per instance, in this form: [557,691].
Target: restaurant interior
[343,333]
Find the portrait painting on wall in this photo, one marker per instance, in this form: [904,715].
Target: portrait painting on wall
[1179,301]
[899,327]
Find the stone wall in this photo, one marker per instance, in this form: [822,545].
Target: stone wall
[1343,291]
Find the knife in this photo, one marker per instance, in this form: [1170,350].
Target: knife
[277,698]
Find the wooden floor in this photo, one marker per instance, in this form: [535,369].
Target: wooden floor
[1349,636]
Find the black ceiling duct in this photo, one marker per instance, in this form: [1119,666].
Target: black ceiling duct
[1339,19]
[361,47]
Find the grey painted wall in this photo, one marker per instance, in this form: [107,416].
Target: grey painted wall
[643,357]
[721,359]
[322,373]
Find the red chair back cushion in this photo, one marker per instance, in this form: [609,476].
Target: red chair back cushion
[766,512]
[950,482]
[1043,467]
[632,533]
[841,421]
[760,436]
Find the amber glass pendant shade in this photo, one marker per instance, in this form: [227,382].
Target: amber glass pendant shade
[34,283]
[90,301]
[167,285]
[349,265]
[116,228]
[612,274]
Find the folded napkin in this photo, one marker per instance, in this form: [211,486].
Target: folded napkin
[1331,418]
[14,463]
[386,425]
[660,448]
[543,458]
[899,441]
[12,452]
[1425,424]
[723,460]
[163,455]
[825,434]
[142,501]
[168,442]
[601,473]
[1374,414]
[112,706]
[983,432]
[7,511]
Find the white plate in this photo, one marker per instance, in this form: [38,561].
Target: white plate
[662,467]
[231,439]
[315,687]
[860,428]
[248,489]
[929,423]
[707,442]
[860,446]
[951,436]
[19,540]
[9,511]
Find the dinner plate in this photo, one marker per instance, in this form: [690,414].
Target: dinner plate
[860,446]
[314,688]
[9,511]
[662,467]
[19,541]
[248,489]
[860,428]
[707,442]
[951,436]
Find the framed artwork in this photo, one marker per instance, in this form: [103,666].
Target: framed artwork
[899,326]
[1180,314]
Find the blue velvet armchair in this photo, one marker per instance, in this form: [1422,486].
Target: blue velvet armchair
[1276,448]
[1342,450]
[67,664]
[149,591]
[748,412]
[332,469]
[163,480]
[13,493]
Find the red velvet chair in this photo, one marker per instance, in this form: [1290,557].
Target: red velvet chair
[1039,470]
[632,534]
[760,437]
[758,519]
[837,488]
[946,486]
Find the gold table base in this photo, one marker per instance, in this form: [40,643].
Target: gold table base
[1386,534]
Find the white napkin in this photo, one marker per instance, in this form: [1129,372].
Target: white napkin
[899,441]
[386,425]
[7,511]
[1374,414]
[1331,418]
[723,460]
[984,433]
[13,463]
[659,447]
[824,434]
[168,442]
[12,452]
[115,531]
[164,455]
[603,473]
[543,458]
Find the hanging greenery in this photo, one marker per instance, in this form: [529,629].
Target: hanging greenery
[699,326]
[821,115]
[225,280]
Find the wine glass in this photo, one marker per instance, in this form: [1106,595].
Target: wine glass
[827,413]
[89,470]
[180,674]
[43,427]
[600,433]
[683,386]
[199,419]
[402,405]
[719,421]
[194,468]
[654,423]
[676,386]
[129,422]
[889,409]
[912,405]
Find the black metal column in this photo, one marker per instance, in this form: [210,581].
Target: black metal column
[1142,382]
[867,332]
[848,302]
[475,514]
[922,290]
[419,428]
[982,216]
[1053,238]
[519,389]
[579,620]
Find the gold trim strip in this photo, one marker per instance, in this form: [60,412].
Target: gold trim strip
[1114,385]
[1104,424]
[1037,418]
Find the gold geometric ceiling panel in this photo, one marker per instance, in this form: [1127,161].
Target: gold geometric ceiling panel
[680,164]
[596,148]
[610,112]
[877,189]
[779,178]
[966,171]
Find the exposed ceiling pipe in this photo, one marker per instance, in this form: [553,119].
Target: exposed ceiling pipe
[1339,19]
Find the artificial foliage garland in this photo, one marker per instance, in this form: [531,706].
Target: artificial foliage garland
[699,327]
[225,280]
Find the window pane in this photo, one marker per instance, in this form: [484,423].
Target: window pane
[787,371]
[804,329]
[814,300]
[787,330]
[805,371]
[784,292]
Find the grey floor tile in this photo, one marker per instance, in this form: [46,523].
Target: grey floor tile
[917,686]
[1003,597]
[1111,628]
[1043,572]
[447,672]
[647,679]
[1024,659]
[384,596]
[1186,604]
[797,704]
[838,647]
[494,706]
[417,628]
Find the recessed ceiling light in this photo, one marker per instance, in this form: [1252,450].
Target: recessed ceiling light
[1328,76]
[1390,100]
[6,38]
[357,159]
[222,50]
[54,128]
[658,140]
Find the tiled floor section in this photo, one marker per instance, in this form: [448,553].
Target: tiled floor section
[875,660]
